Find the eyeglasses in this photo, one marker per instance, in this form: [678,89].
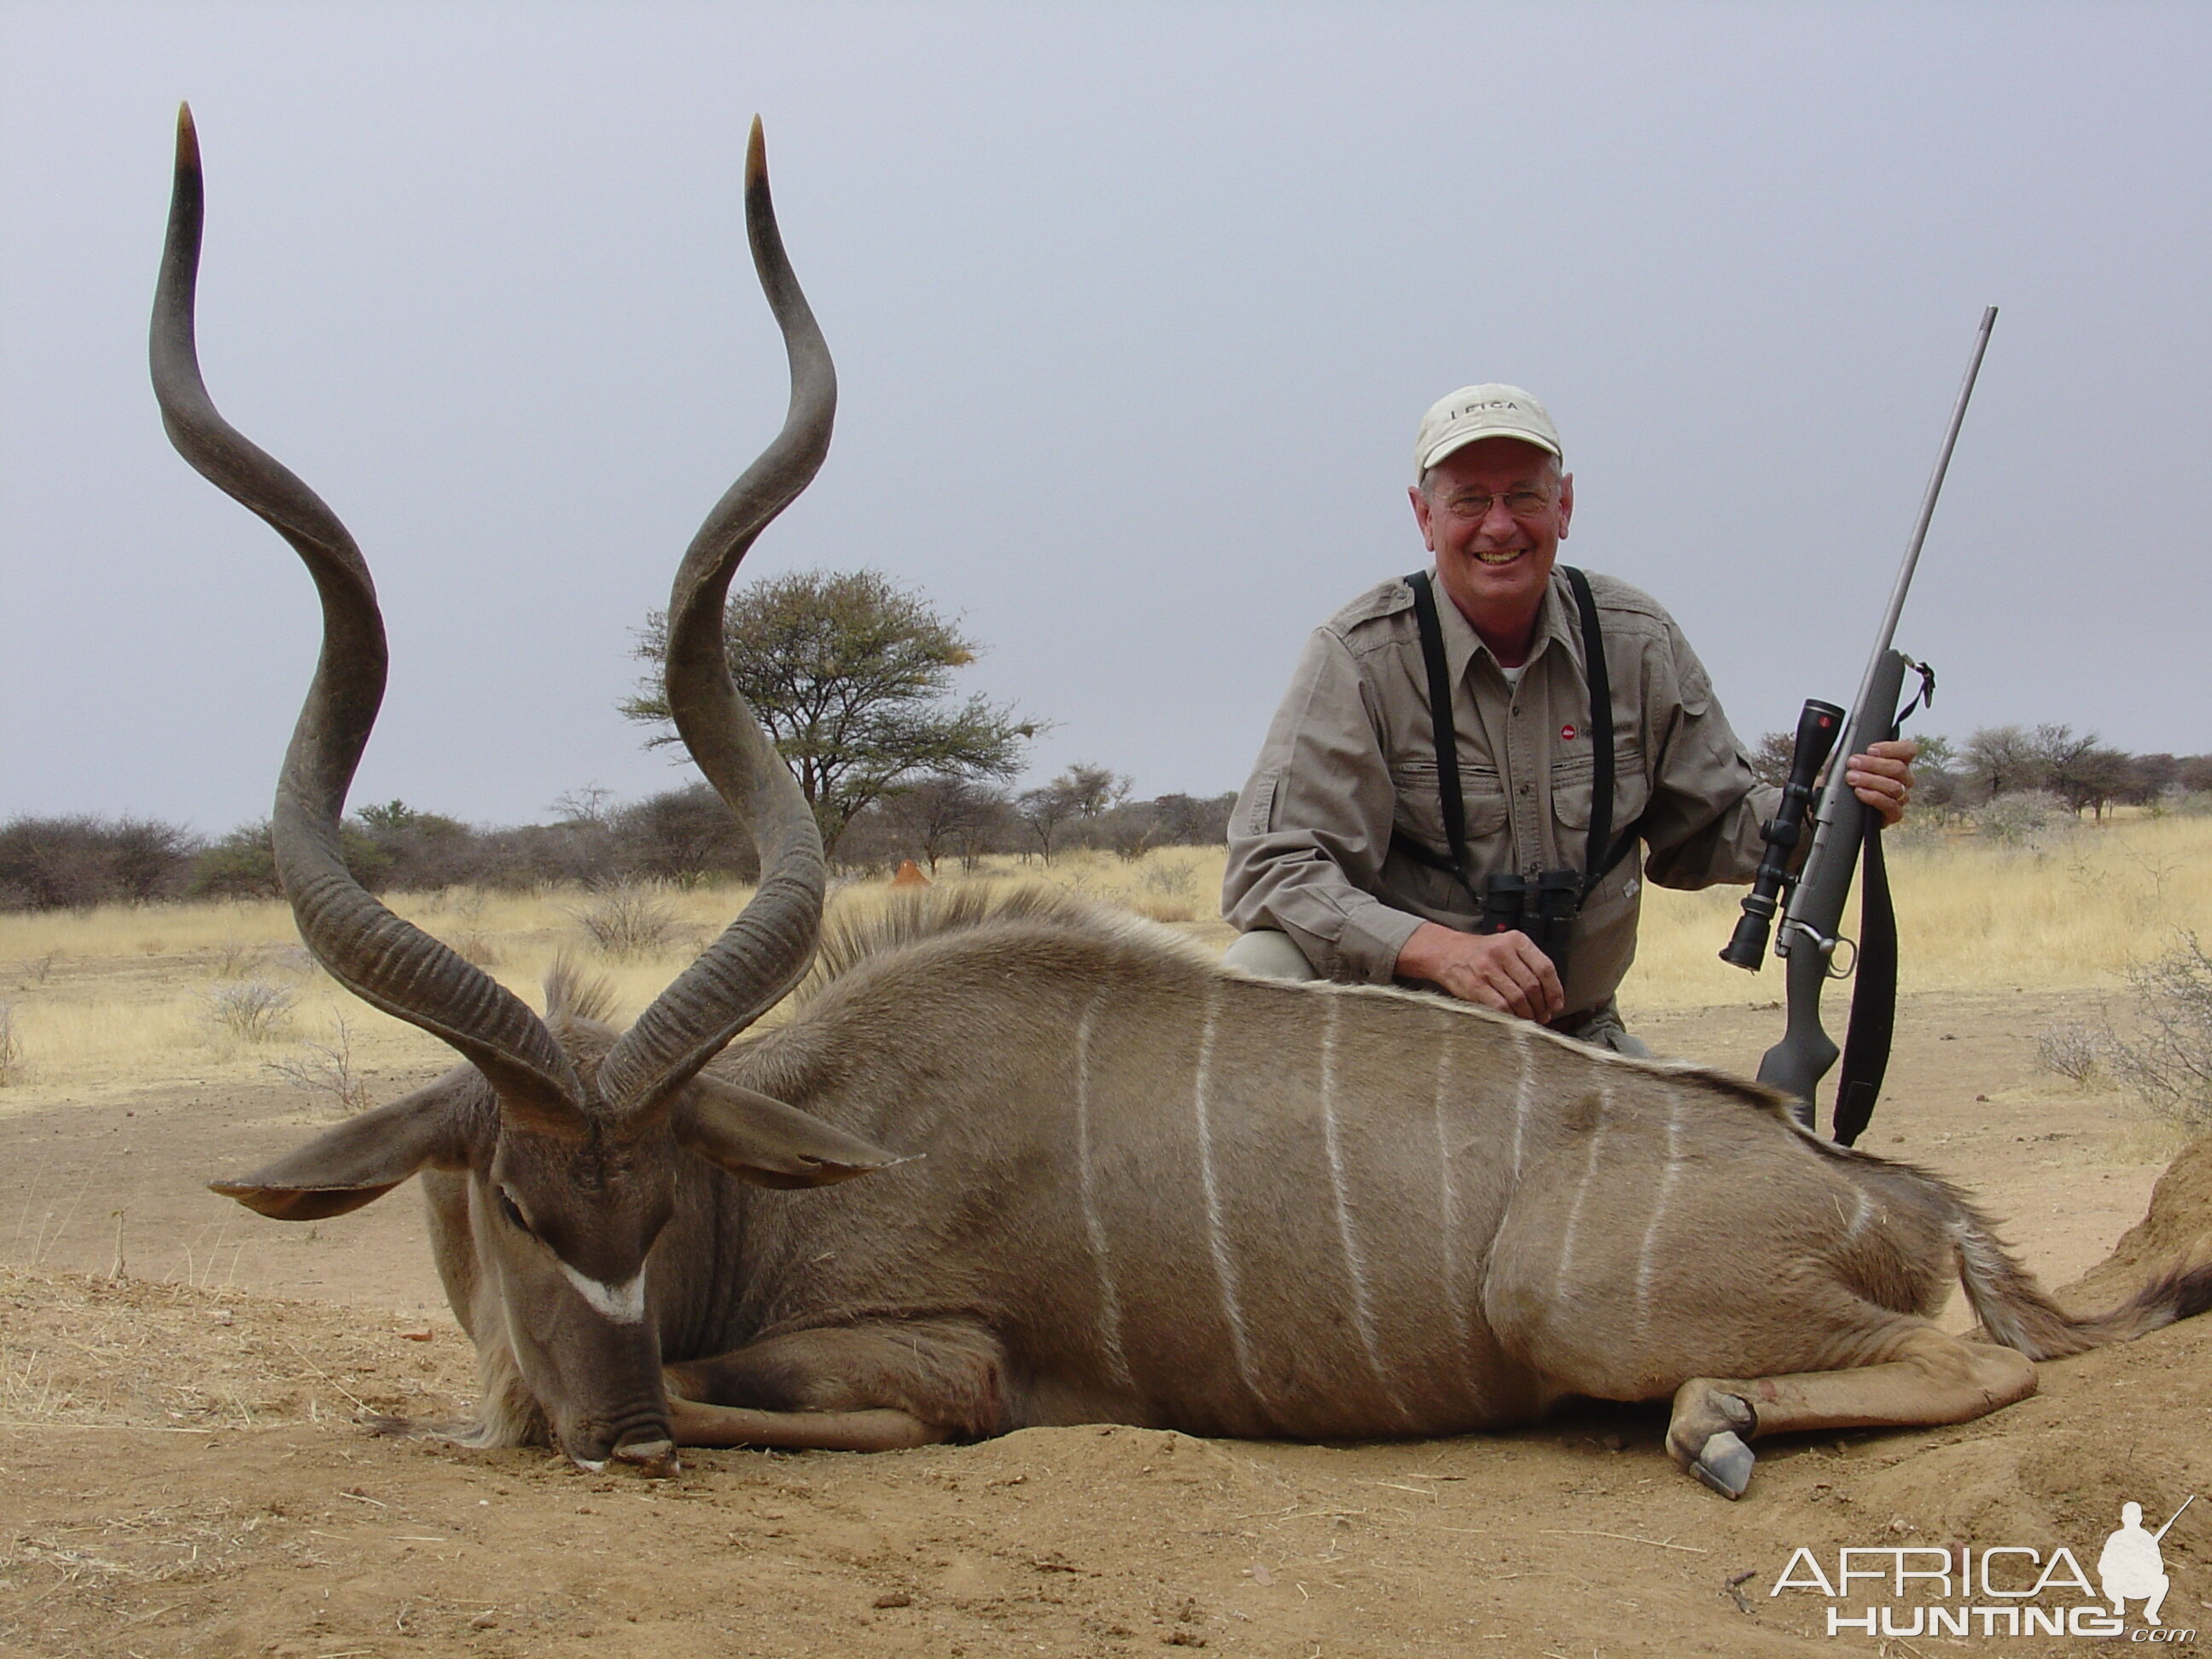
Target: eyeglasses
[1521,503]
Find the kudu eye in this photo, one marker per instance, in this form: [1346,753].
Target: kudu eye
[512,1211]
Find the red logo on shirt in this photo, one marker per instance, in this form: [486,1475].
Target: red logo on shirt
[1566,734]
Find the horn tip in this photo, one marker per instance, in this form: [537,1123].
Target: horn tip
[188,136]
[756,155]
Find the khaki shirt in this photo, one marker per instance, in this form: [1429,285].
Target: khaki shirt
[1351,756]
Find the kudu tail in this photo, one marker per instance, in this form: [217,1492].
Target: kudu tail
[2015,1310]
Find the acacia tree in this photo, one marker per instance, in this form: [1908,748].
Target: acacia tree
[938,815]
[2081,769]
[2002,760]
[851,674]
[1081,792]
[1771,757]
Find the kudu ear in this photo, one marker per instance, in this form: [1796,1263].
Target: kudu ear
[365,1157]
[758,1138]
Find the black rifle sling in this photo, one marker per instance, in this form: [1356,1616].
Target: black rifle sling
[1874,990]
[1598,857]
[1874,997]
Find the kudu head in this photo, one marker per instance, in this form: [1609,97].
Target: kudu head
[569,1143]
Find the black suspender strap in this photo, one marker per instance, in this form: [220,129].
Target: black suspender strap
[1599,859]
[1445,733]
[1601,853]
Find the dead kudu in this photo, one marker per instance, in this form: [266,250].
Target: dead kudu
[1122,1185]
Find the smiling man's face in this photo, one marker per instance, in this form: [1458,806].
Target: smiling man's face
[1494,515]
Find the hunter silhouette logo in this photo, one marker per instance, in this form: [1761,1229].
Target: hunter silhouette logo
[2003,1589]
[2132,1565]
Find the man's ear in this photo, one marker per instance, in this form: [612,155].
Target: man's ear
[759,1139]
[1566,502]
[365,1157]
[1421,515]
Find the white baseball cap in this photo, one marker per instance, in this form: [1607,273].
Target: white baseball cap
[1474,412]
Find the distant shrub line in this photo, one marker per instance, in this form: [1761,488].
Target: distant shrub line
[681,837]
[2007,781]
[2047,768]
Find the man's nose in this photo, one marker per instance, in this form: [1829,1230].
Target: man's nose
[1498,524]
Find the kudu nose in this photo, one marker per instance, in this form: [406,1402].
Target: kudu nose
[639,1441]
[653,1458]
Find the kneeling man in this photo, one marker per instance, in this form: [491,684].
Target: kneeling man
[1345,860]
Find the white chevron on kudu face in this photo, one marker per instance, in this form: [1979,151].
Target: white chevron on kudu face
[1094,1228]
[623,1304]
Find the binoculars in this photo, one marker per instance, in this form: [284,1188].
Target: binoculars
[1544,907]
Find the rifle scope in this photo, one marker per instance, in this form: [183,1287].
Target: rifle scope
[1817,729]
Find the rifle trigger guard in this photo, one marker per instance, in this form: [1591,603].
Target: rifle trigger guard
[1826,947]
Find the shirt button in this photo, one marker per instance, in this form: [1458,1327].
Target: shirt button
[1528,789]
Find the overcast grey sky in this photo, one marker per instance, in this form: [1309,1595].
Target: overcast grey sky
[1134,309]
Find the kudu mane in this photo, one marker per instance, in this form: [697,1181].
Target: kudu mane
[859,934]
[574,995]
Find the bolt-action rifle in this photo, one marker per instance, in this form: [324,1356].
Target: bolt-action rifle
[1843,833]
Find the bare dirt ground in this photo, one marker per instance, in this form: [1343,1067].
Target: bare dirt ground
[181,1471]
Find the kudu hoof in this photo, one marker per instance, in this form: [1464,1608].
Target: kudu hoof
[1725,1464]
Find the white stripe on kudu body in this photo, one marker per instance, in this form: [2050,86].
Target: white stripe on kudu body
[1362,1314]
[1667,1174]
[1523,1091]
[1581,1191]
[1110,1301]
[1864,1214]
[1446,1193]
[1225,1265]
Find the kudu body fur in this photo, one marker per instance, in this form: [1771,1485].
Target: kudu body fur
[1130,1185]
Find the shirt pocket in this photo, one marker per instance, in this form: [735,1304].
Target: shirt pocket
[1573,786]
[1419,811]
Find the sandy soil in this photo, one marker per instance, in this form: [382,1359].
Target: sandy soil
[181,1471]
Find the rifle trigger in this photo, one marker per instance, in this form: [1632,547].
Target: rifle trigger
[1821,942]
[1850,962]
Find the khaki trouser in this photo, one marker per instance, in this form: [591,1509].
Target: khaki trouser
[1267,954]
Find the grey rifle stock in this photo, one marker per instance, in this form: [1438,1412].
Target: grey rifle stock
[1811,924]
[1807,938]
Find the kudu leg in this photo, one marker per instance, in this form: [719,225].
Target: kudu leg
[865,1387]
[698,1424]
[1931,1377]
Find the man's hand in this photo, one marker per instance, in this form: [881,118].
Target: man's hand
[1882,777]
[1504,971]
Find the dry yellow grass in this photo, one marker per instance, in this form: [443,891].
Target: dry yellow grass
[119,1000]
[107,1003]
[2078,911]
